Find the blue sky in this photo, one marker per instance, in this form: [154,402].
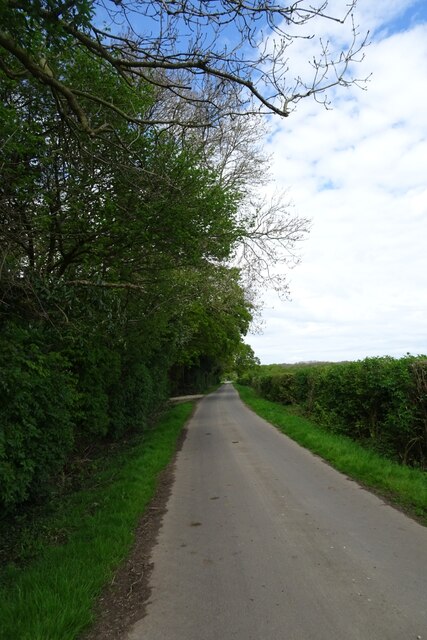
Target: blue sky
[360,173]
[411,14]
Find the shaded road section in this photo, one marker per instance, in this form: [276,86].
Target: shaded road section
[264,541]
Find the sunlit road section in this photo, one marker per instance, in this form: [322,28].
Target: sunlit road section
[264,541]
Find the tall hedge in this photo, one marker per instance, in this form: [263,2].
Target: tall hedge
[38,396]
[54,399]
[381,402]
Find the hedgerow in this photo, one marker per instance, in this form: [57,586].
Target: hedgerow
[54,403]
[38,395]
[381,402]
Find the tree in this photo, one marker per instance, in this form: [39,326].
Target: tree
[269,240]
[112,270]
[179,48]
[212,313]
[89,223]
[102,212]
[245,360]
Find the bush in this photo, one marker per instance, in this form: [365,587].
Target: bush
[137,396]
[381,402]
[278,387]
[62,393]
[36,428]
[97,368]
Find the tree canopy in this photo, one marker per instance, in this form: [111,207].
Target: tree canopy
[115,282]
[205,60]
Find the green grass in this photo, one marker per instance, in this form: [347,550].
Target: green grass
[51,596]
[403,486]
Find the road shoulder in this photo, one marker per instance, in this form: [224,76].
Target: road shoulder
[123,602]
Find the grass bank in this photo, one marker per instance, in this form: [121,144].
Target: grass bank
[48,592]
[403,486]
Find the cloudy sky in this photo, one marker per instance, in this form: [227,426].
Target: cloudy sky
[360,173]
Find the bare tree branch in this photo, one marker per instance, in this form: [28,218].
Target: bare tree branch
[182,47]
[270,239]
[106,285]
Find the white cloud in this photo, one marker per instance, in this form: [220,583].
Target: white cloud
[359,172]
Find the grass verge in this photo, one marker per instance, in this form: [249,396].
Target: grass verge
[403,486]
[52,596]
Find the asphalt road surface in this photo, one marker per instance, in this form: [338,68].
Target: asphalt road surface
[264,541]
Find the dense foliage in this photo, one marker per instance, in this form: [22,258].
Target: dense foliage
[381,402]
[113,274]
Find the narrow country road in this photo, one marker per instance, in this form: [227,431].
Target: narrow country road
[264,541]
